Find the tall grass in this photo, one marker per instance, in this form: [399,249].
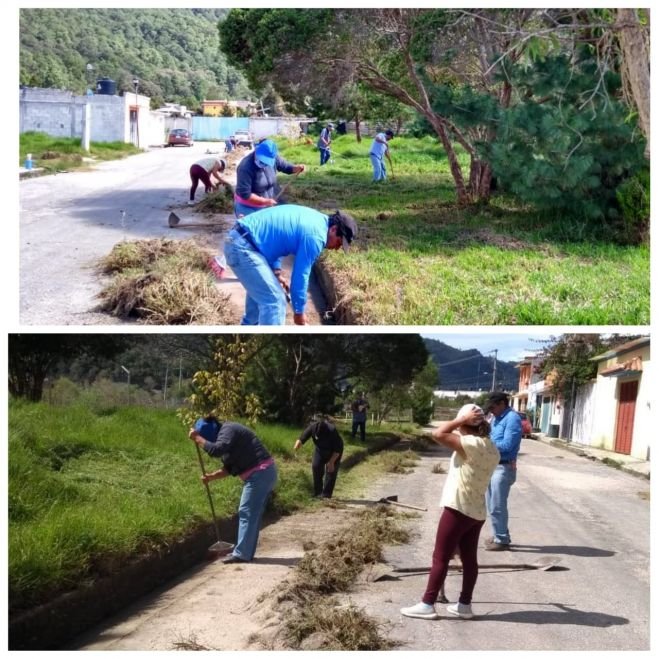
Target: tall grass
[420,259]
[88,489]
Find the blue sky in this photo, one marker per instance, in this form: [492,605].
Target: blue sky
[512,346]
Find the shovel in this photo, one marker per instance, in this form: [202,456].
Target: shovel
[394,500]
[281,192]
[219,548]
[175,223]
[545,564]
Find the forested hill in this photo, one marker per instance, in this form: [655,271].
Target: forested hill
[173,52]
[469,369]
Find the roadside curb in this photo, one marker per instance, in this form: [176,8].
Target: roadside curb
[51,625]
[636,468]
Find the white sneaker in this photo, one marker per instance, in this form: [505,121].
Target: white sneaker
[460,610]
[190,202]
[420,610]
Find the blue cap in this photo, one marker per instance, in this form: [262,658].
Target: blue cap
[208,429]
[266,152]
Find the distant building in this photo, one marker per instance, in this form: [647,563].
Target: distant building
[217,108]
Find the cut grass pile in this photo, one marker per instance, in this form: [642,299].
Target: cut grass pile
[309,616]
[420,259]
[90,490]
[163,282]
[56,154]
[220,201]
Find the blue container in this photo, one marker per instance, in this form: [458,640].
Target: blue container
[106,86]
[28,161]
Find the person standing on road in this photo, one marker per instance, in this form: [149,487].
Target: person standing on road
[380,149]
[202,171]
[326,456]
[463,498]
[257,243]
[507,437]
[256,184]
[324,142]
[358,408]
[243,455]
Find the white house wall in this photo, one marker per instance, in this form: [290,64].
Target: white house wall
[643,428]
[584,414]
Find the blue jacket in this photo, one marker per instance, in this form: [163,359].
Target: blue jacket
[282,230]
[238,448]
[259,180]
[506,433]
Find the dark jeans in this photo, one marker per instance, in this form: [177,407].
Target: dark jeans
[361,425]
[323,482]
[455,531]
[198,173]
[324,155]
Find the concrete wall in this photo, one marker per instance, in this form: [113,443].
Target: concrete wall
[60,113]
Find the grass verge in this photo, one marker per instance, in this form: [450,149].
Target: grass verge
[89,490]
[163,282]
[58,154]
[422,260]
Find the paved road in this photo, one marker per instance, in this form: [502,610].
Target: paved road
[594,518]
[69,221]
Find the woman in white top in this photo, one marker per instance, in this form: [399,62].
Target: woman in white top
[202,171]
[463,498]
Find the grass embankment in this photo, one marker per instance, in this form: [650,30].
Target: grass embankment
[421,259]
[58,154]
[88,490]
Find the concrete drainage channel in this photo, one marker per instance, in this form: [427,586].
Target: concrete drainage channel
[50,626]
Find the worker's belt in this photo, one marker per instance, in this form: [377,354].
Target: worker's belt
[246,235]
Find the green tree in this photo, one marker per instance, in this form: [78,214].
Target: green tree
[421,393]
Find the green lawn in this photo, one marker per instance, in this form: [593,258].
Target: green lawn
[89,489]
[54,154]
[422,260]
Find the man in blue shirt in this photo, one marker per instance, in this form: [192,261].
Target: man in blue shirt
[380,149]
[257,243]
[506,435]
[324,142]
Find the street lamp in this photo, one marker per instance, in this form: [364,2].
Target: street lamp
[125,370]
[136,82]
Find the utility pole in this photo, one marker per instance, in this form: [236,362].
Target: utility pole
[164,390]
[180,371]
[128,382]
[494,370]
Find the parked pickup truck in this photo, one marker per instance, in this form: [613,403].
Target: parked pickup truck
[243,138]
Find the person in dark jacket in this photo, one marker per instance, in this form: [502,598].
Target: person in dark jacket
[358,408]
[256,179]
[326,456]
[243,455]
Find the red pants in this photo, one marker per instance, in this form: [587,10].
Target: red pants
[198,173]
[455,531]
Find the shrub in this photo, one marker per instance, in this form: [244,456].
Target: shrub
[633,197]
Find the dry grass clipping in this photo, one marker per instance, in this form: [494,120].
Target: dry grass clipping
[311,618]
[163,282]
[399,463]
[220,201]
[438,468]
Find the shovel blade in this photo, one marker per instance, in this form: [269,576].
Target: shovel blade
[173,219]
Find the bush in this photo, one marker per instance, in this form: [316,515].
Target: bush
[633,197]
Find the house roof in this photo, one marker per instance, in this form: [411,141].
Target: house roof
[621,349]
[633,366]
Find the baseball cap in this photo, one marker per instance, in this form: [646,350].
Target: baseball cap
[346,228]
[494,398]
[389,133]
[266,152]
[208,429]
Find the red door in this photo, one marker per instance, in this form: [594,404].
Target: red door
[626,411]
